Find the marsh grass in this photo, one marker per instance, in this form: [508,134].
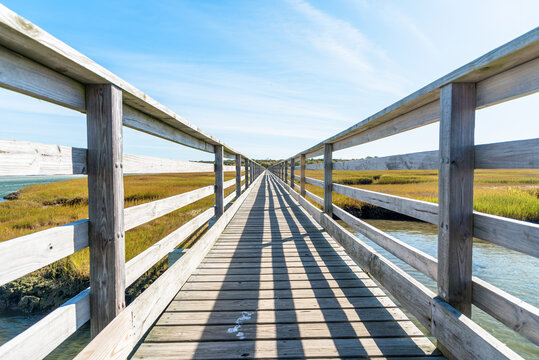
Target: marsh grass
[43,206]
[508,193]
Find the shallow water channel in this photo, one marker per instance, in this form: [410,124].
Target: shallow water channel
[509,270]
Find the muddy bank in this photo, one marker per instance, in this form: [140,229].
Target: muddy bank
[368,211]
[44,290]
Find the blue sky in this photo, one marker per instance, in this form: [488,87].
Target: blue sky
[271,78]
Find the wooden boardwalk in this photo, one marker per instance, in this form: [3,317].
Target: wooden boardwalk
[276,285]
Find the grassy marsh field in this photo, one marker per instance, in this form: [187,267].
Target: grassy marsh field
[509,193]
[42,206]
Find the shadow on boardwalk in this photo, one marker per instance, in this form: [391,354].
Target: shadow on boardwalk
[275,285]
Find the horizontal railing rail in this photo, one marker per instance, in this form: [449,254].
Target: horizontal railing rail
[34,63]
[512,312]
[118,339]
[506,73]
[439,318]
[513,234]
[520,154]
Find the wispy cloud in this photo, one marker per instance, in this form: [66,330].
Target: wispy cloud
[218,99]
[406,23]
[347,49]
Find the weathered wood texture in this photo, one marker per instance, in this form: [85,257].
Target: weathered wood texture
[219,180]
[302,174]
[45,247]
[53,329]
[23,75]
[414,161]
[505,73]
[238,175]
[105,204]
[328,179]
[144,261]
[20,158]
[30,70]
[421,210]
[292,175]
[513,234]
[511,311]
[519,154]
[143,213]
[247,177]
[137,164]
[466,339]
[316,182]
[118,339]
[39,249]
[303,291]
[40,339]
[141,121]
[455,195]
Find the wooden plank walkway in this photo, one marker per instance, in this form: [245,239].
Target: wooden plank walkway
[275,285]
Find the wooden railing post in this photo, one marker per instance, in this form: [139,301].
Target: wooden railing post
[286,172]
[302,174]
[105,204]
[246,173]
[219,180]
[455,192]
[328,179]
[292,166]
[238,175]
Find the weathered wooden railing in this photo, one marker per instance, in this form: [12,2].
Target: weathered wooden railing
[506,73]
[33,62]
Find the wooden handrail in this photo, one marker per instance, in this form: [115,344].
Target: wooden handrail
[506,73]
[29,59]
[22,158]
[29,63]
[440,319]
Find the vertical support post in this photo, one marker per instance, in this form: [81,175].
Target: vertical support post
[286,172]
[105,204]
[328,179]
[238,175]
[219,180]
[455,192]
[292,166]
[246,174]
[302,175]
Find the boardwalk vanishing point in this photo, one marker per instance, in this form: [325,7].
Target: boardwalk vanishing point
[276,280]
[279,272]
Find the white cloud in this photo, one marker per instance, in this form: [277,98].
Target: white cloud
[351,54]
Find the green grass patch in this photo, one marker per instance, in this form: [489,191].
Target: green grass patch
[363,180]
[43,206]
[509,193]
[388,179]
